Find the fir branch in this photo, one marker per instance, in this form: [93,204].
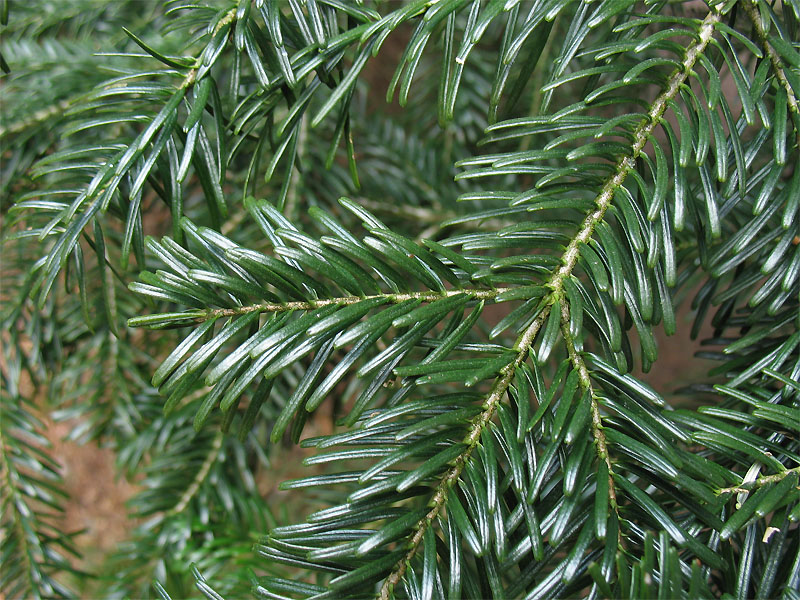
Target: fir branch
[451,476]
[201,316]
[39,117]
[568,261]
[640,137]
[202,473]
[778,65]
[31,490]
[339,314]
[9,476]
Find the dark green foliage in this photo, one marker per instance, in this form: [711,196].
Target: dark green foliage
[219,244]
[32,550]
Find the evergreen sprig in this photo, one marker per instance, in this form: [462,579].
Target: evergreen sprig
[34,548]
[472,283]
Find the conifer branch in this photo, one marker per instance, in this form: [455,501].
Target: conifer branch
[450,478]
[568,261]
[200,477]
[422,501]
[40,116]
[10,487]
[627,163]
[777,64]
[29,486]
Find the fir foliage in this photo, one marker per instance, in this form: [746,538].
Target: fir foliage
[217,235]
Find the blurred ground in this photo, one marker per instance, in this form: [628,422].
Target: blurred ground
[97,495]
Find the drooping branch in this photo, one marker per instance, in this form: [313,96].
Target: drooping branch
[28,486]
[568,261]
[451,476]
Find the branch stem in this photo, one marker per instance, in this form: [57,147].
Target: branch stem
[600,442]
[760,482]
[476,294]
[40,116]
